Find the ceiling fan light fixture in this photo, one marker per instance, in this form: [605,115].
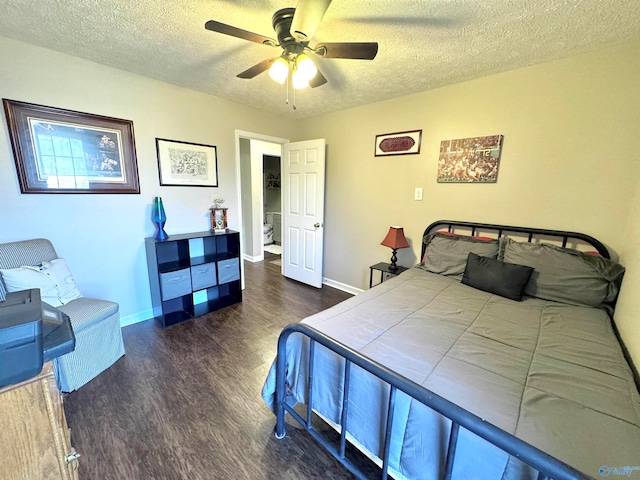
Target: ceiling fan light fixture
[298,80]
[306,67]
[279,70]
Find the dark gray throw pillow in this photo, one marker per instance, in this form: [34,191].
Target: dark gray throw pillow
[505,279]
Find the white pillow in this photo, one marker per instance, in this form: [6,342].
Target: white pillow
[54,279]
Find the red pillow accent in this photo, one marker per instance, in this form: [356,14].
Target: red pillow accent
[444,232]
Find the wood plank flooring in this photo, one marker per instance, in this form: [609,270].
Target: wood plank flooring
[184,402]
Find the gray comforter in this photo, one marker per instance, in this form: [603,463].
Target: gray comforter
[552,374]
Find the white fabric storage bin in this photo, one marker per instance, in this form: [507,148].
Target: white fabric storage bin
[203,276]
[228,270]
[175,284]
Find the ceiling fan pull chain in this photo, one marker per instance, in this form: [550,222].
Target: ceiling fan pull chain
[294,98]
[288,80]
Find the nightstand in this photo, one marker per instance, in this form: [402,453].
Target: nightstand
[383,268]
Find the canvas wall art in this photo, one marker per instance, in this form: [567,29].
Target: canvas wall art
[470,160]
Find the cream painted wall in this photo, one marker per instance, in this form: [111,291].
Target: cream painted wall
[102,236]
[627,315]
[569,161]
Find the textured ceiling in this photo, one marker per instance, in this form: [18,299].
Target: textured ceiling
[422,44]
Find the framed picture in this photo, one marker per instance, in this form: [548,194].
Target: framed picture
[63,151]
[187,164]
[470,160]
[399,143]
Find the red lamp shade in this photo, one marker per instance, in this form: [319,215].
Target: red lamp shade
[395,238]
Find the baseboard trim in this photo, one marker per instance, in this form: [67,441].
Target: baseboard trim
[136,318]
[148,314]
[249,258]
[341,286]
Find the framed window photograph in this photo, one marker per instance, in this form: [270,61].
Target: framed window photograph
[64,151]
[187,164]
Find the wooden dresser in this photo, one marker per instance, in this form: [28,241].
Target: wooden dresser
[33,431]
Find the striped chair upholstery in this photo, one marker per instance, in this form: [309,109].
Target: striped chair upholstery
[96,323]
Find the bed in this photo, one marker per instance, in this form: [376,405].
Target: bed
[495,358]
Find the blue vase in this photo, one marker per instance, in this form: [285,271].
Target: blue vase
[159,218]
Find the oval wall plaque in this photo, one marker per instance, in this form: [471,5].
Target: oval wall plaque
[397,144]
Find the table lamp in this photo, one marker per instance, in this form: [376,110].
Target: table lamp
[394,240]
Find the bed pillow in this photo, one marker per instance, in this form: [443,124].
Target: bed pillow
[566,275]
[453,234]
[447,254]
[54,279]
[505,279]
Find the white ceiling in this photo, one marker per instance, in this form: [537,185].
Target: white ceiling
[423,44]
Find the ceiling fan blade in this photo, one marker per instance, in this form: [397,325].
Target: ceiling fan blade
[317,80]
[354,50]
[239,33]
[257,69]
[307,18]
[422,21]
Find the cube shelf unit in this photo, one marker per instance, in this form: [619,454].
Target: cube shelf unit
[192,274]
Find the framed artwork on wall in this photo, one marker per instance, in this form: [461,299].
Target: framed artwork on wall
[398,143]
[187,164]
[470,160]
[64,151]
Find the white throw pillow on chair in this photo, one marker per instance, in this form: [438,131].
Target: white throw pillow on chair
[54,279]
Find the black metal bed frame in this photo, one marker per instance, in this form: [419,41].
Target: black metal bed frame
[531,233]
[547,466]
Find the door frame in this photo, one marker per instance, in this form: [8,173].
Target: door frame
[251,136]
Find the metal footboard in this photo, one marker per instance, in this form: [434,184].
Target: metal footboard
[547,466]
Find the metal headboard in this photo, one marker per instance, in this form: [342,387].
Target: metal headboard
[531,233]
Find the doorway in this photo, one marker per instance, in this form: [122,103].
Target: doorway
[272,201]
[302,187]
[251,148]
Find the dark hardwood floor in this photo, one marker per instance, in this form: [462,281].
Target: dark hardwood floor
[184,402]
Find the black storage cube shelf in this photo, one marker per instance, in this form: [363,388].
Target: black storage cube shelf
[193,274]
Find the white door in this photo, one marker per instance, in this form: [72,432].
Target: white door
[303,211]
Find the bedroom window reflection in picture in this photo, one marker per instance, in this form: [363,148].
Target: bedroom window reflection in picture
[470,160]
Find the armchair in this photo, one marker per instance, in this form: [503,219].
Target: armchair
[96,323]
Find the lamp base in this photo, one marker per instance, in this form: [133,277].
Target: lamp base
[160,233]
[393,267]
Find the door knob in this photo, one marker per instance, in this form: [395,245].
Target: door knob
[317,225]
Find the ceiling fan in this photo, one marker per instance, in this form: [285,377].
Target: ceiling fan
[294,28]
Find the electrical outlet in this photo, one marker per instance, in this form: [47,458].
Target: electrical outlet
[418,194]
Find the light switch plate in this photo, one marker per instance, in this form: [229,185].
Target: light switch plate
[418,194]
